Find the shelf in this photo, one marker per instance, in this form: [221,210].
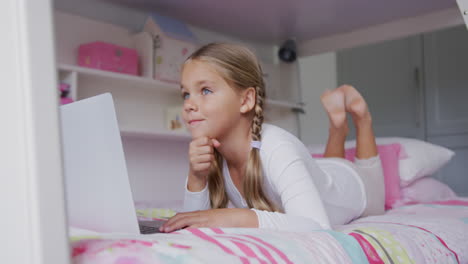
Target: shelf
[284,104]
[131,80]
[167,135]
[151,83]
[111,79]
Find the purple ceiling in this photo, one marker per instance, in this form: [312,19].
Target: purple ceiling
[277,20]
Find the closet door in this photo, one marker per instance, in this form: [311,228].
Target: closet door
[446,56]
[388,75]
[446,71]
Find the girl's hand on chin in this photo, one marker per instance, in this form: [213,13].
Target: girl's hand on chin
[201,155]
[226,217]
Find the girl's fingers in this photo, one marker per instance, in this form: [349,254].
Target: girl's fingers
[215,143]
[205,150]
[173,219]
[201,166]
[195,226]
[203,158]
[201,150]
[207,158]
[202,141]
[181,223]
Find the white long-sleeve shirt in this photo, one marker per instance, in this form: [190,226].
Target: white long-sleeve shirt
[292,180]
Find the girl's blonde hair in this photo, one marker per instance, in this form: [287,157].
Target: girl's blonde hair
[241,69]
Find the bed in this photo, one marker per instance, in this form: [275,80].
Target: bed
[435,232]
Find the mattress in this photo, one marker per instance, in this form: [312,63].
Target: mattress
[435,232]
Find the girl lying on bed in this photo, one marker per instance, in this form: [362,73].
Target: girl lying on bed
[264,172]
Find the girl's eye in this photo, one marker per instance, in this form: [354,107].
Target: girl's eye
[185,96]
[206,91]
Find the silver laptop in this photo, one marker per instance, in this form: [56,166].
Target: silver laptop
[97,186]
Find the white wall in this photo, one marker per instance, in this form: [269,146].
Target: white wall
[156,177]
[317,74]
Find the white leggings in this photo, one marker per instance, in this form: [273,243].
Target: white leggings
[352,189]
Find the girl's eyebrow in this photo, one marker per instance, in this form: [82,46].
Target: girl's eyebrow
[201,82]
[198,83]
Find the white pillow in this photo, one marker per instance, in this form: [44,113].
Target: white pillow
[425,190]
[422,158]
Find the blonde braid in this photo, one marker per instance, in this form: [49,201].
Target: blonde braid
[258,118]
[216,185]
[253,183]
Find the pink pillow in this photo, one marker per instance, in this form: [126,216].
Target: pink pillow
[390,154]
[423,190]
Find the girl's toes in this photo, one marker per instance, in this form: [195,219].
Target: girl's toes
[334,104]
[355,103]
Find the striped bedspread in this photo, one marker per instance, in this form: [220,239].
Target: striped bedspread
[422,233]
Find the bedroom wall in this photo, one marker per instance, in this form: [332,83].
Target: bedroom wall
[318,61]
[318,73]
[132,20]
[415,87]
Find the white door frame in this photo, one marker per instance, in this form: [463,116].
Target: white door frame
[31,191]
[463,5]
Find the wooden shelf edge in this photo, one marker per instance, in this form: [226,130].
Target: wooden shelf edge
[120,76]
[284,104]
[163,135]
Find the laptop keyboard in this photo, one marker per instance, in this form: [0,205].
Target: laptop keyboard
[151,226]
[149,229]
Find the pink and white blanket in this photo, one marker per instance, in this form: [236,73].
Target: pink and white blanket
[420,233]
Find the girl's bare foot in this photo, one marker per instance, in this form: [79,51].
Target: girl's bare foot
[355,105]
[334,103]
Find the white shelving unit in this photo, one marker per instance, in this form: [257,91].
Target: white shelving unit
[86,82]
[126,79]
[147,83]
[140,101]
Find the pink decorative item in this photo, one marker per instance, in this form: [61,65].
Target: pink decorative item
[65,100]
[424,190]
[108,57]
[64,93]
[64,87]
[390,155]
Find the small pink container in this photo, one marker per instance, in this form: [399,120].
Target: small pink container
[65,100]
[64,89]
[108,57]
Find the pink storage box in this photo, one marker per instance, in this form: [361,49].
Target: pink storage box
[108,57]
